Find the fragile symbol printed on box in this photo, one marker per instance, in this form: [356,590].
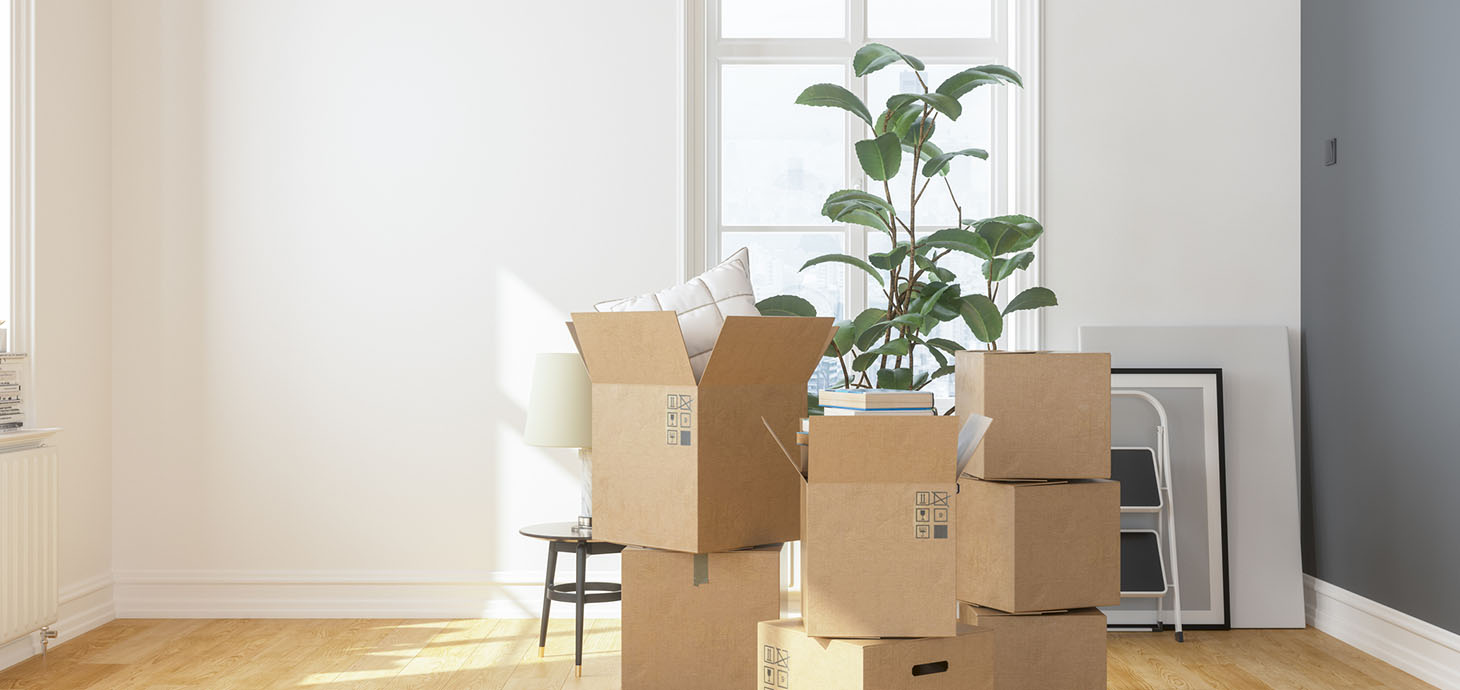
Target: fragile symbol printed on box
[677,411]
[930,515]
[775,668]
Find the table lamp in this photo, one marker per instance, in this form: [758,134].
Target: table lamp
[560,415]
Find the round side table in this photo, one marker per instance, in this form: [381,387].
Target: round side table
[568,537]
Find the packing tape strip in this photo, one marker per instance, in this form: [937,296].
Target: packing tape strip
[702,568]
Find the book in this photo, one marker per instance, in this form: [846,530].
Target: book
[848,412]
[875,399]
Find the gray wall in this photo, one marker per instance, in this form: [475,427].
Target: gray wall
[1381,308]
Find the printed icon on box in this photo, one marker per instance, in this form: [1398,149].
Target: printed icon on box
[672,437]
[940,498]
[940,531]
[671,419]
[680,402]
[923,531]
[920,515]
[770,677]
[684,420]
[782,680]
[940,515]
[684,438]
[924,498]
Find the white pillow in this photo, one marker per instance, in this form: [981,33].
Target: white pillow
[702,304]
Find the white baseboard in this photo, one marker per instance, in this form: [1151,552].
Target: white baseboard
[342,594]
[84,606]
[1420,649]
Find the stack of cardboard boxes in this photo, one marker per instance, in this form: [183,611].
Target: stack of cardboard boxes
[1039,520]
[892,538]
[685,474]
[878,562]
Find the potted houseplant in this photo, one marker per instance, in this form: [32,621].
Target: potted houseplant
[879,347]
[1051,410]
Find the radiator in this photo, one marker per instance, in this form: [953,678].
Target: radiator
[29,533]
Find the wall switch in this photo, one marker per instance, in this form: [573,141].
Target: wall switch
[1330,152]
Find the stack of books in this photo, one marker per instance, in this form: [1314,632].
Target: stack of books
[12,411]
[858,401]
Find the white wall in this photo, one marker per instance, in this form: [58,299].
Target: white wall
[1171,175]
[342,229]
[72,255]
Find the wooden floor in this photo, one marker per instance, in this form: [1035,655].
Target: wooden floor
[502,655]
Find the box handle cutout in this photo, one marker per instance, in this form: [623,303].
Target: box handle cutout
[929,668]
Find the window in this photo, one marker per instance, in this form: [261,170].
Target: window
[762,166]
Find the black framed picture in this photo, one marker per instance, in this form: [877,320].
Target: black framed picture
[1169,423]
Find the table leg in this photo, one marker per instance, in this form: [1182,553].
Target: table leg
[547,589]
[578,627]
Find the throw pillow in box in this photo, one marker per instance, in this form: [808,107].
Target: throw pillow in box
[702,303]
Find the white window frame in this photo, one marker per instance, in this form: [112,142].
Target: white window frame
[22,192]
[1016,177]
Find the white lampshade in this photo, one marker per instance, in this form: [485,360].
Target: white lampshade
[560,412]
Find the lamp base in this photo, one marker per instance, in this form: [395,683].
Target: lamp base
[585,507]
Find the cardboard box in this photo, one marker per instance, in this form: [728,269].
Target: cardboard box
[1042,651]
[879,535]
[689,620]
[686,465]
[1039,546]
[789,659]
[1053,412]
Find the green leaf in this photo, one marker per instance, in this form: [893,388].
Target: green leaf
[813,406]
[785,305]
[932,267]
[895,379]
[866,320]
[834,96]
[897,347]
[921,129]
[938,355]
[841,343]
[868,338]
[864,360]
[920,381]
[880,157]
[987,75]
[946,345]
[875,56]
[849,260]
[1008,234]
[1006,73]
[853,198]
[982,317]
[942,371]
[1033,298]
[947,105]
[863,218]
[959,240]
[932,300]
[939,163]
[900,120]
[909,321]
[999,269]
[927,151]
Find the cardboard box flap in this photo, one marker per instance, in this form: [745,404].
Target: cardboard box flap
[890,448]
[793,458]
[633,347]
[767,349]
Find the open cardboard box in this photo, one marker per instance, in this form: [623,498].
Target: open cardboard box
[1062,650]
[682,464]
[790,659]
[689,620]
[1039,545]
[1053,410]
[878,529]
